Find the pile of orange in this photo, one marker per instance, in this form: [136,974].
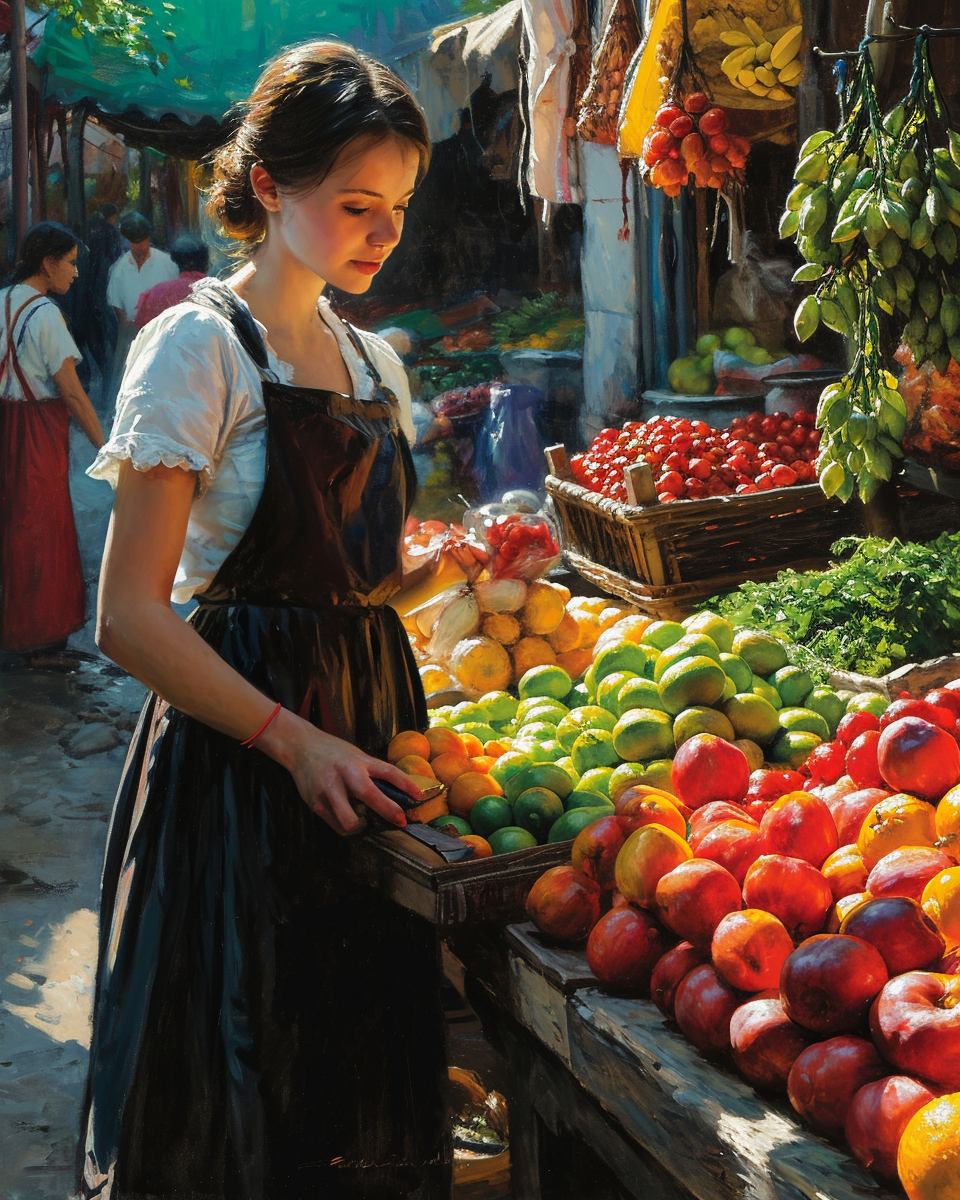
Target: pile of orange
[456,760]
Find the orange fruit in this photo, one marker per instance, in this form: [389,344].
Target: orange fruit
[408,742]
[495,749]
[482,763]
[449,766]
[472,744]
[575,662]
[414,764]
[444,741]
[948,816]
[928,1158]
[467,789]
[481,847]
[530,652]
[941,902]
[566,636]
[899,820]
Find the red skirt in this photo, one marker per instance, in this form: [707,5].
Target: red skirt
[40,571]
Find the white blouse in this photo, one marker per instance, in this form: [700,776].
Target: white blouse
[191,397]
[41,340]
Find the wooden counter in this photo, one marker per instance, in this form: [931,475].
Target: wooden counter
[665,1122]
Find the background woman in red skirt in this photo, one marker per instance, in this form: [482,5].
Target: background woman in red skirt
[42,583]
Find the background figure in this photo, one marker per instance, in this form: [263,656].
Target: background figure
[43,600]
[104,247]
[130,276]
[192,258]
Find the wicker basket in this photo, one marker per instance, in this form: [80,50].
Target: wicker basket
[667,559]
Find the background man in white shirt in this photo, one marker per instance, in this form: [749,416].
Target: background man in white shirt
[130,276]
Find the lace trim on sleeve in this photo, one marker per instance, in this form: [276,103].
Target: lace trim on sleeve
[145,451]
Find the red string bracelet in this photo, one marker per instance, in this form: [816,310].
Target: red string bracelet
[253,737]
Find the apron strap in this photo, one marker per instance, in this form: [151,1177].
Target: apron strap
[10,361]
[357,342]
[214,294]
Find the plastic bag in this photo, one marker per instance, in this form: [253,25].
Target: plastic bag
[509,448]
[600,103]
[736,375]
[933,411]
[757,292]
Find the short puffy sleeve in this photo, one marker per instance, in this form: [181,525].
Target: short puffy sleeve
[48,337]
[181,396]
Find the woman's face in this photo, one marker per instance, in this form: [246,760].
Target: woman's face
[61,272]
[345,228]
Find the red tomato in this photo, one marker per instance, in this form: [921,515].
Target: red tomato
[696,102]
[681,126]
[671,481]
[667,115]
[714,120]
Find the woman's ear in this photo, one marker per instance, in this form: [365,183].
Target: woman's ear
[264,188]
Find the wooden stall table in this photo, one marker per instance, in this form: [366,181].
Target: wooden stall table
[659,1121]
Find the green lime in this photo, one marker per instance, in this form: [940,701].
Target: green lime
[594,748]
[572,822]
[697,680]
[793,683]
[578,694]
[480,730]
[622,656]
[760,687]
[498,707]
[793,747]
[752,717]
[638,692]
[548,751]
[659,774]
[713,625]
[624,776]
[536,809]
[548,775]
[598,779]
[454,826]
[538,731]
[662,634]
[643,733]
[511,837]
[467,710]
[763,653]
[552,713]
[490,813]
[440,717]
[737,670]
[586,798]
[804,719]
[828,704]
[539,703]
[508,765]
[871,702]
[545,681]
[608,689]
[729,689]
[589,716]
[700,719]
[689,646]
[567,763]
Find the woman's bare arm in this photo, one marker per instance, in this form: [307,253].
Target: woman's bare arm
[70,391]
[138,629]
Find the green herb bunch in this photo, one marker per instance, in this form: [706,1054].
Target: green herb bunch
[882,605]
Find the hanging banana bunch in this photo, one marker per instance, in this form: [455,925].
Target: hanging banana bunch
[761,62]
[874,213]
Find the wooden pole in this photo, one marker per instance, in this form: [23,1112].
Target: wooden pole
[20,123]
[76,201]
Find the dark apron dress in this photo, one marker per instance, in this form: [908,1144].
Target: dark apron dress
[264,1027]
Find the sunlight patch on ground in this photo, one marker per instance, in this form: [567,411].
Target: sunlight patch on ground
[62,1004]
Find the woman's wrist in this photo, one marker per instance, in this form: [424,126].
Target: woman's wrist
[281,737]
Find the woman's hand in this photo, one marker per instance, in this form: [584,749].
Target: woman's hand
[330,772]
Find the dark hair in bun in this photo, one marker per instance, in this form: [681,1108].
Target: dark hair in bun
[311,102]
[48,239]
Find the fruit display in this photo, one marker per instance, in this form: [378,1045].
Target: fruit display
[546,322]
[801,923]
[875,212]
[693,374]
[882,604]
[691,459]
[690,140]
[763,62]
[932,398]
[435,378]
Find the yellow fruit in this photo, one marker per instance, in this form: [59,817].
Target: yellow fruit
[778,93]
[758,89]
[941,902]
[502,627]
[609,617]
[574,662]
[409,741]
[467,789]
[434,678]
[765,76]
[755,31]
[928,1156]
[444,741]
[414,764]
[791,73]
[566,636]
[763,52]
[787,47]
[733,37]
[746,78]
[543,610]
[482,664]
[899,820]
[530,652]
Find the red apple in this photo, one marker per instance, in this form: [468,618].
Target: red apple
[715,812]
[915,1023]
[908,707]
[749,948]
[708,768]
[792,890]
[670,972]
[765,1043]
[906,871]
[861,760]
[564,905]
[799,825]
[732,844]
[845,872]
[594,851]
[945,698]
[693,897]
[899,928]
[850,810]
[918,757]
[829,981]
[623,948]
[853,724]
[827,1075]
[703,1007]
[877,1117]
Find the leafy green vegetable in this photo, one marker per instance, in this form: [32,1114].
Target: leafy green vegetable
[882,605]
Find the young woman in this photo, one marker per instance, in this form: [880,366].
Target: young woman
[264,1027]
[42,599]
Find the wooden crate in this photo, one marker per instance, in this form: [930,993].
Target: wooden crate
[450,894]
[667,558]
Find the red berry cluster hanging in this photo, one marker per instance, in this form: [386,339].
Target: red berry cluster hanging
[688,137]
